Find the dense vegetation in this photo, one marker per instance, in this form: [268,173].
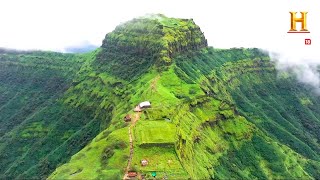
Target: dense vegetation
[216,113]
[213,135]
[38,131]
[133,47]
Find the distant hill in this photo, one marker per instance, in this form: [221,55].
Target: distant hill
[81,49]
[215,113]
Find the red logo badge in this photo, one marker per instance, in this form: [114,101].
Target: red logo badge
[307,41]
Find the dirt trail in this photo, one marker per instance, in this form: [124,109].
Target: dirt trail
[136,118]
[154,84]
[133,123]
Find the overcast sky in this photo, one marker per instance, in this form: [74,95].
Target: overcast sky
[55,24]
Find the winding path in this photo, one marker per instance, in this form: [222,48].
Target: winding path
[133,123]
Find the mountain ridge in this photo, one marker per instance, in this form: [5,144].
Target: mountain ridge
[210,115]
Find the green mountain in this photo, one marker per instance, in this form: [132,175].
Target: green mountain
[215,113]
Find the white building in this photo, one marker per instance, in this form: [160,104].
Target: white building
[145,104]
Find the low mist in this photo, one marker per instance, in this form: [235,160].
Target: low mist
[303,63]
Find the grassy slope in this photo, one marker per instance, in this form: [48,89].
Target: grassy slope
[211,139]
[133,47]
[215,127]
[291,118]
[261,157]
[151,132]
[38,131]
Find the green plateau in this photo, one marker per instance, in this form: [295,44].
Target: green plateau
[215,113]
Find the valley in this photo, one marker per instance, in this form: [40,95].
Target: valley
[215,113]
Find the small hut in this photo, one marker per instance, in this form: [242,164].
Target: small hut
[132,174]
[144,162]
[145,104]
[142,105]
[127,118]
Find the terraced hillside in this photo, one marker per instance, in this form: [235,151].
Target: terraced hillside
[38,130]
[196,101]
[215,113]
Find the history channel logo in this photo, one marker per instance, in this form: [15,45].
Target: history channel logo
[303,20]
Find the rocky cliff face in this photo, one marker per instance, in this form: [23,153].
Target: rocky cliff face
[135,46]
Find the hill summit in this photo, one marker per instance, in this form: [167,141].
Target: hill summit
[211,114]
[142,42]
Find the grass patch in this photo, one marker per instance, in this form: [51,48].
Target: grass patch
[163,160]
[158,133]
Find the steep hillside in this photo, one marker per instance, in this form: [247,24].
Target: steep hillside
[133,47]
[197,128]
[38,131]
[215,113]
